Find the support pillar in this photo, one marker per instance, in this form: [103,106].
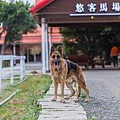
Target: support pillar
[43,45]
[34,54]
[27,54]
[50,39]
[46,41]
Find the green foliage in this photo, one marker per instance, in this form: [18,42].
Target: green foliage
[5,64]
[91,41]
[78,39]
[17,19]
[93,118]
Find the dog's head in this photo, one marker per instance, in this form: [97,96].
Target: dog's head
[56,56]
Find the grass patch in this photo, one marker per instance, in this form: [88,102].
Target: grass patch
[83,94]
[93,118]
[23,106]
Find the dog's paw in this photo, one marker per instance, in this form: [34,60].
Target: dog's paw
[54,99]
[86,100]
[66,97]
[62,101]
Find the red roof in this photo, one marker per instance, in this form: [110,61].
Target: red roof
[35,38]
[40,5]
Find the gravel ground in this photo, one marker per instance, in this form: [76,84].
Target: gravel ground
[104,86]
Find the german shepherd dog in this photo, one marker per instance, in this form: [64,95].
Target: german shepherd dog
[64,71]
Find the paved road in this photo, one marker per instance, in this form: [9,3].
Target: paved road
[104,89]
[33,66]
[104,82]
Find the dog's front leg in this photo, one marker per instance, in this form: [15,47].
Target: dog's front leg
[55,90]
[62,92]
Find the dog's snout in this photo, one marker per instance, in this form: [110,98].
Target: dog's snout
[56,63]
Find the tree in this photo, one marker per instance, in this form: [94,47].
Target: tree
[16,19]
[74,39]
[91,41]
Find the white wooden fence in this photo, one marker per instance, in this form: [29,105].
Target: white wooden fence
[12,70]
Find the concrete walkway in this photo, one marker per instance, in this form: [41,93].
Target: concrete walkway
[55,110]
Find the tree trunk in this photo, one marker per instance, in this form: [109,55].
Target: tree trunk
[3,47]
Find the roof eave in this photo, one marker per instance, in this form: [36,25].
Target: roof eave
[40,5]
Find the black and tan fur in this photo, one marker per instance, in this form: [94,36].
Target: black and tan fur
[64,71]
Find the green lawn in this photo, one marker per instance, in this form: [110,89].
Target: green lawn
[23,105]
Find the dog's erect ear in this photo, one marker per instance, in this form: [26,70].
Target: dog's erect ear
[59,48]
[52,50]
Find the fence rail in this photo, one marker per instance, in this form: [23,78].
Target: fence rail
[10,71]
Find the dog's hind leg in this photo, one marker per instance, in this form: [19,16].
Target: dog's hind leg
[55,90]
[83,85]
[81,81]
[87,92]
[78,90]
[69,85]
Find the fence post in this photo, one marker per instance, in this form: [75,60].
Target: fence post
[21,67]
[0,74]
[11,69]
